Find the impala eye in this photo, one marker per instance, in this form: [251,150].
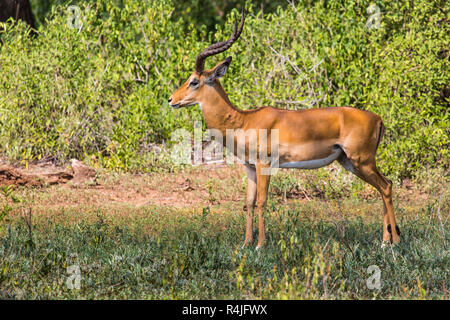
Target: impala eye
[194,82]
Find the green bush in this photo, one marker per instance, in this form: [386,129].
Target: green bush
[100,92]
[317,55]
[198,12]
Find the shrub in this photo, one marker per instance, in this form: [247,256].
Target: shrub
[100,92]
[97,91]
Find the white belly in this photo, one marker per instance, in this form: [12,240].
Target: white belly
[313,164]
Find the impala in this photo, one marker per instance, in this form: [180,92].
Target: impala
[308,139]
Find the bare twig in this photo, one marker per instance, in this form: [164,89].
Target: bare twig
[27,217]
[285,58]
[305,102]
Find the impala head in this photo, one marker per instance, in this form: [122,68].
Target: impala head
[195,87]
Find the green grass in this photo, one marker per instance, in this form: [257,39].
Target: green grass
[169,253]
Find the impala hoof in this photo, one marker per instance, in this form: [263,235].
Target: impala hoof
[395,240]
[390,229]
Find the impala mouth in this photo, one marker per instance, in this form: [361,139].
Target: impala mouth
[182,105]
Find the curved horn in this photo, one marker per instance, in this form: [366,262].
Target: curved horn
[220,46]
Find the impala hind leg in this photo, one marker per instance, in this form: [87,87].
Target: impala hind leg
[250,203]
[368,172]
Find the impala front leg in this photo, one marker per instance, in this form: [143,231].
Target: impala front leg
[262,187]
[250,202]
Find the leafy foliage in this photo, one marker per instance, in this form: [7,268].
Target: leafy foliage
[197,12]
[100,92]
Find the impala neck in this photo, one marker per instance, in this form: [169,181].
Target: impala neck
[218,111]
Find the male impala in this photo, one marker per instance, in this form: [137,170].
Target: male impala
[308,139]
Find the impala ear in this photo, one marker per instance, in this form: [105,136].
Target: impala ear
[219,70]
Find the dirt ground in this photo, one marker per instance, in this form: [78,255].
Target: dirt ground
[47,186]
[48,189]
